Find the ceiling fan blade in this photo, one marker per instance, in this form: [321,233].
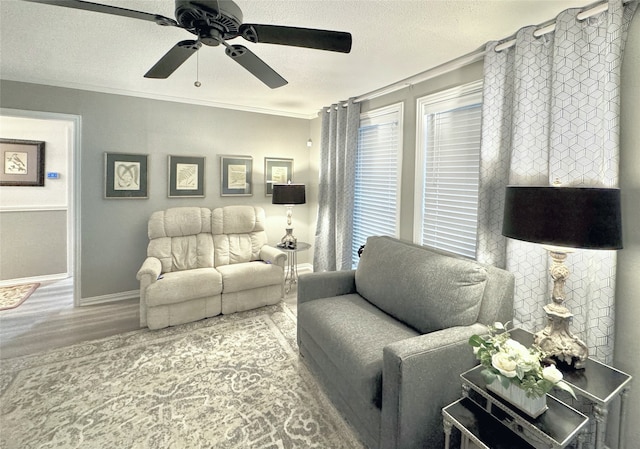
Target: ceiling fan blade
[173,59]
[107,9]
[298,37]
[255,65]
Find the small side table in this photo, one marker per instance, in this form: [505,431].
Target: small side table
[479,427]
[291,276]
[488,422]
[600,384]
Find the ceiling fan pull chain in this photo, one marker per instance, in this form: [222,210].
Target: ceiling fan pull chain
[197,83]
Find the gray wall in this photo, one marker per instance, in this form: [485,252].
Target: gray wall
[627,350]
[33,243]
[113,232]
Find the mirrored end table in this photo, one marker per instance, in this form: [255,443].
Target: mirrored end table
[599,384]
[291,276]
[480,410]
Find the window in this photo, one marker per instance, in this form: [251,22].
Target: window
[448,169]
[377,190]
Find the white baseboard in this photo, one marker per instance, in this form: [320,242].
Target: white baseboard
[34,279]
[305,268]
[112,297]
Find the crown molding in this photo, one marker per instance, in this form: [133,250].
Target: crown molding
[169,98]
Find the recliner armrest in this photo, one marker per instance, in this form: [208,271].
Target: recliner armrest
[326,285]
[152,267]
[273,255]
[420,377]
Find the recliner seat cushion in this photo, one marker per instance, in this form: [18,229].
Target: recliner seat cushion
[352,334]
[179,286]
[425,290]
[246,276]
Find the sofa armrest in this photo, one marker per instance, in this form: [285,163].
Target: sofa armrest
[420,377]
[325,284]
[149,271]
[273,255]
[147,274]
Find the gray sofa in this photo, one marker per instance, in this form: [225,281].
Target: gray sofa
[202,262]
[388,341]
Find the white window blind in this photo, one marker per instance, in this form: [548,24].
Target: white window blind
[449,162]
[377,187]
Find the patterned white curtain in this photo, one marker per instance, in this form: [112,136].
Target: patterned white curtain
[334,228]
[551,112]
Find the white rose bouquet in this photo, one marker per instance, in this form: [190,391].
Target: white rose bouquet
[508,361]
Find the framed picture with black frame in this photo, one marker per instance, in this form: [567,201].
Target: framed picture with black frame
[276,171]
[22,163]
[126,176]
[186,176]
[235,175]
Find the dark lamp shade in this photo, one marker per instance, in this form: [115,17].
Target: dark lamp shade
[288,194]
[574,217]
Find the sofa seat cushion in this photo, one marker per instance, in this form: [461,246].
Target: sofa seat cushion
[179,286]
[249,275]
[352,333]
[424,289]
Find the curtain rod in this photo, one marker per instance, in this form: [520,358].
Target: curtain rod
[544,28]
[590,11]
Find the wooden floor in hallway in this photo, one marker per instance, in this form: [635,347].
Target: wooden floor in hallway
[48,319]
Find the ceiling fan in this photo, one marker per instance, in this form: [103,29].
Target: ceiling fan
[214,22]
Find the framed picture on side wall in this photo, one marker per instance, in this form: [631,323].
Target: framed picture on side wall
[235,175]
[21,163]
[276,171]
[125,176]
[186,176]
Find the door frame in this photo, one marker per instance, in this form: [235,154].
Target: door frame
[73,189]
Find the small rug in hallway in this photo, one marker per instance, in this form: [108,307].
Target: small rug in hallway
[11,297]
[232,382]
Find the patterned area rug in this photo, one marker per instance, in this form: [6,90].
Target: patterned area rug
[232,382]
[12,297]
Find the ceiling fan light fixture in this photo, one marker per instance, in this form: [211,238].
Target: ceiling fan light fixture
[214,22]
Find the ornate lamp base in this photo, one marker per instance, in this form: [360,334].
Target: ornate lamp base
[556,339]
[289,241]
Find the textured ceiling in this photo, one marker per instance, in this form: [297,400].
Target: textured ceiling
[392,40]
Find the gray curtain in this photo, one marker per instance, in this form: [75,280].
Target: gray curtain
[551,112]
[334,228]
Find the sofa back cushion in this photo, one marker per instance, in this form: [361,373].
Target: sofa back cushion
[238,234]
[180,238]
[424,289]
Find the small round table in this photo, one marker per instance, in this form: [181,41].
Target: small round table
[291,277]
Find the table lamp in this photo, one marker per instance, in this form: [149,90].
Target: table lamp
[288,195]
[563,219]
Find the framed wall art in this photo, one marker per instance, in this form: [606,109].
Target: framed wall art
[186,176]
[235,175]
[276,171]
[125,176]
[22,163]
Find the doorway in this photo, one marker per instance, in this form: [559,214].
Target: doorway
[56,204]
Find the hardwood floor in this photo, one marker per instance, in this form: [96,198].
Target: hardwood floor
[47,319]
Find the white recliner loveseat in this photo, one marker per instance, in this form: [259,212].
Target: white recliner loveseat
[202,262]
